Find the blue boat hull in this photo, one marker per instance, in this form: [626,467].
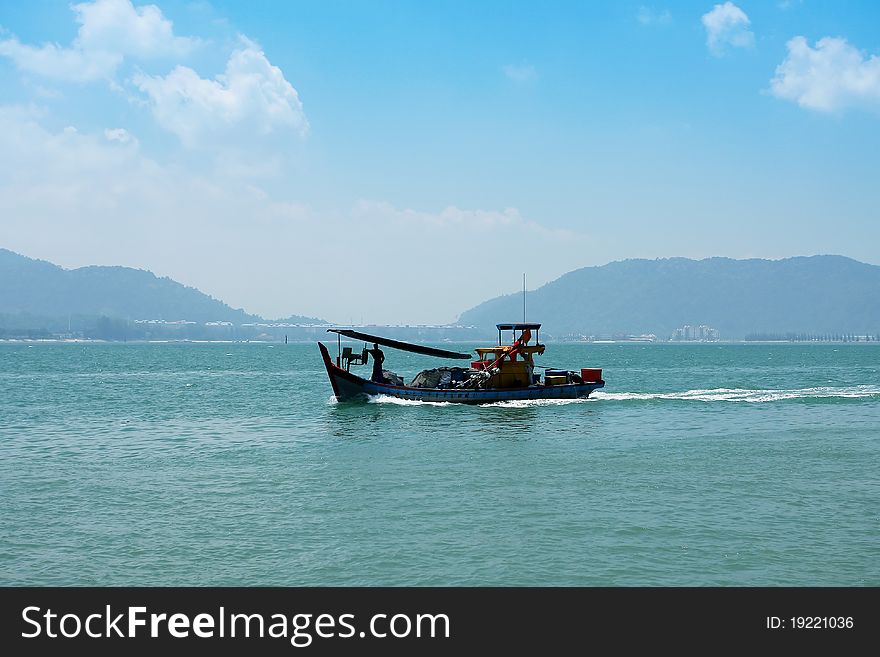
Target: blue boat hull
[350,387]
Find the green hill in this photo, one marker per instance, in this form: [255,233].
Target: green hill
[38,289]
[819,294]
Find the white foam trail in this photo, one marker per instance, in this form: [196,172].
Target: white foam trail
[744,394]
[387,399]
[703,395]
[526,403]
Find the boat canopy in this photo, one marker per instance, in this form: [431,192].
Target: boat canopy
[403,346]
[525,328]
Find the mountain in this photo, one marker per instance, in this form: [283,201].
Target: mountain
[40,289]
[819,294]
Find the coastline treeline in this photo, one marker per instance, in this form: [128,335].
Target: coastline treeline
[811,337]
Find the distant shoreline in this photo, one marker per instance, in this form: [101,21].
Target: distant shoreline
[691,343]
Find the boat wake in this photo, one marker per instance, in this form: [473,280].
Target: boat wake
[709,395]
[387,399]
[744,394]
[528,403]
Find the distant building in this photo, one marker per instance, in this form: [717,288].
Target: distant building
[701,333]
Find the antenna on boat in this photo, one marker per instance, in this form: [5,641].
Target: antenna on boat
[524,297]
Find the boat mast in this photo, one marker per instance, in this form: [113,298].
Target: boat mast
[524,297]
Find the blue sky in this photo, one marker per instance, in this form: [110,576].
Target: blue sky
[403,161]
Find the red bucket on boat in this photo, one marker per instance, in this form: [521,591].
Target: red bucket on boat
[478,365]
[591,375]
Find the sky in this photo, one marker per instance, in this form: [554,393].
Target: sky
[400,162]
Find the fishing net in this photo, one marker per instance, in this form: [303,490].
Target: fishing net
[440,377]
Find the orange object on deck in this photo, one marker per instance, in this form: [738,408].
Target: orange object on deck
[590,374]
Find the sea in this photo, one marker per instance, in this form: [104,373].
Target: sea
[230,464]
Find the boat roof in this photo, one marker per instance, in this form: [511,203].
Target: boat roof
[397,344]
[517,327]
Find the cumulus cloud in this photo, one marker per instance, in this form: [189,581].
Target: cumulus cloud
[832,76]
[648,16]
[120,135]
[727,26]
[119,26]
[109,31]
[250,93]
[524,73]
[53,61]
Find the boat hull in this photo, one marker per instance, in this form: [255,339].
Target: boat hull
[350,387]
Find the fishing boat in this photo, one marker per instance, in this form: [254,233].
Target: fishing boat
[502,372]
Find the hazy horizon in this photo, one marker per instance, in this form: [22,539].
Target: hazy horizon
[403,162]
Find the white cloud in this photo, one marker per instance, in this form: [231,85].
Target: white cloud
[252,93]
[118,26]
[832,76]
[53,61]
[727,25]
[251,96]
[524,73]
[109,31]
[120,135]
[648,16]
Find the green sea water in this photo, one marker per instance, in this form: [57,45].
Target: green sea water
[229,464]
